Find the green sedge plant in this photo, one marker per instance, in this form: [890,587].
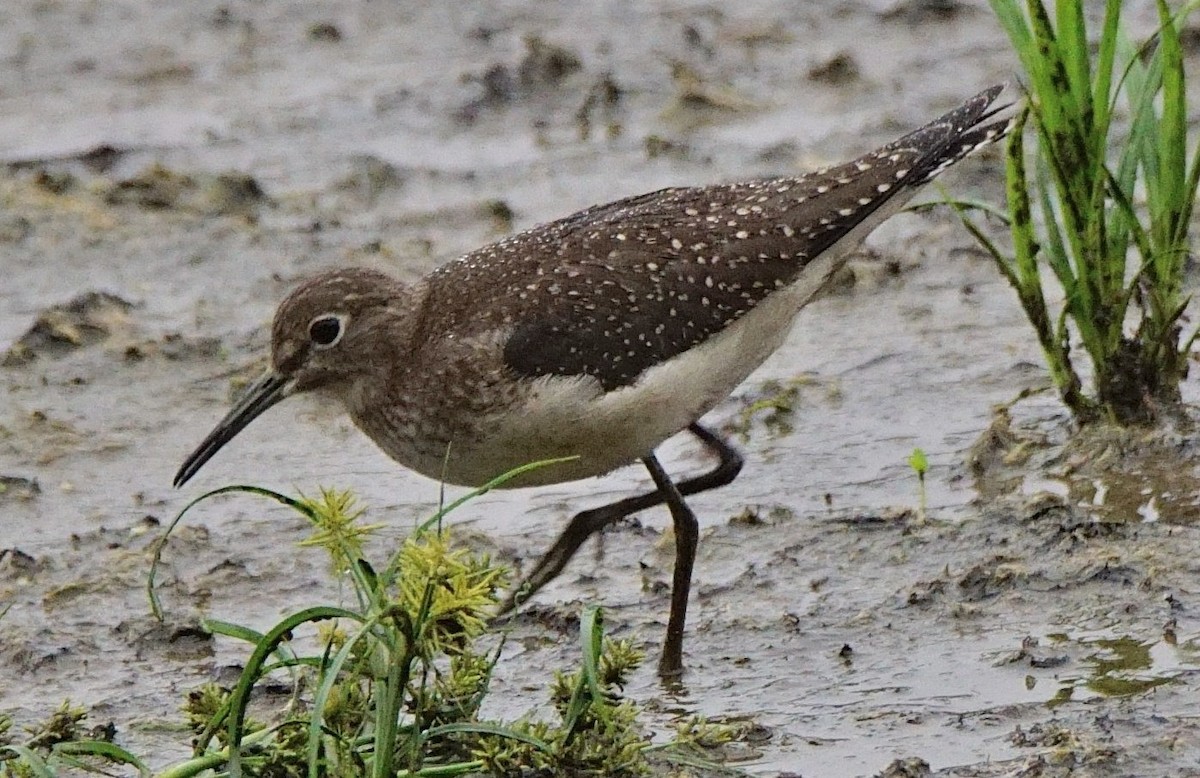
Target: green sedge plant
[1100,195]
[392,685]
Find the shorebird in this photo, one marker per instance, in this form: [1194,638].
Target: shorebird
[597,336]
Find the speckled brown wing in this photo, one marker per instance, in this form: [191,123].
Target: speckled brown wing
[615,289]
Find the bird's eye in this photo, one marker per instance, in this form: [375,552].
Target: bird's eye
[325,331]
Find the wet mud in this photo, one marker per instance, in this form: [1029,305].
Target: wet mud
[169,170]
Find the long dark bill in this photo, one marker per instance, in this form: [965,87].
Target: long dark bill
[264,393]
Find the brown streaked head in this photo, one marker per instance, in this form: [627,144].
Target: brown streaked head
[323,336]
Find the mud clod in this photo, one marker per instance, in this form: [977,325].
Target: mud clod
[917,12]
[925,592]
[231,194]
[562,618]
[1032,654]
[90,318]
[912,767]
[324,32]
[160,188]
[101,157]
[154,188]
[695,92]
[658,146]
[14,228]
[15,563]
[839,69]
[546,64]
[55,182]
[370,176]
[17,488]
[989,578]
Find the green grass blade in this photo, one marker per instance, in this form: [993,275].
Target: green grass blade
[1051,84]
[1172,142]
[1189,195]
[330,675]
[1141,238]
[1062,108]
[1073,43]
[1012,20]
[1021,227]
[1055,249]
[496,482]
[1016,185]
[194,767]
[155,605]
[591,633]
[961,206]
[1102,91]
[231,630]
[1186,348]
[588,689]
[110,751]
[240,698]
[1003,263]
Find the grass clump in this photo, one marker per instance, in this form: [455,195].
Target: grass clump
[61,743]
[397,684]
[392,686]
[599,732]
[1107,216]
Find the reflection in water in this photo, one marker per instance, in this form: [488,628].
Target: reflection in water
[1117,475]
[1123,665]
[1157,488]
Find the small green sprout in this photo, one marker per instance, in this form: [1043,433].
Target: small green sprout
[920,465]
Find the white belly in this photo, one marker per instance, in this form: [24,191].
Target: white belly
[573,417]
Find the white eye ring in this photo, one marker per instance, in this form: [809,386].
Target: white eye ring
[326,331]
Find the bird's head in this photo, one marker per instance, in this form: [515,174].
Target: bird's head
[327,332]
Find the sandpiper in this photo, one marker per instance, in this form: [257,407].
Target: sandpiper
[597,336]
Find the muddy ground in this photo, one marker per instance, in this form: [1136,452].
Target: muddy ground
[171,169]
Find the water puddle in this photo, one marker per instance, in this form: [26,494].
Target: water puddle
[1112,665]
